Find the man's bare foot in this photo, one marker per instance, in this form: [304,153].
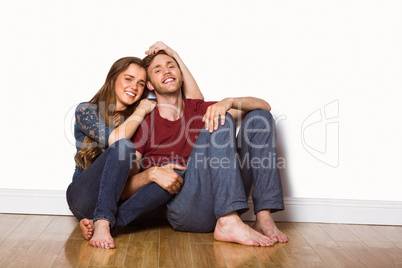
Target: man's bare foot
[102,237]
[266,225]
[87,228]
[230,228]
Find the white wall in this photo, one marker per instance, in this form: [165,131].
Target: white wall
[300,56]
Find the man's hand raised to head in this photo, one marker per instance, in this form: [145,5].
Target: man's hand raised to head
[161,46]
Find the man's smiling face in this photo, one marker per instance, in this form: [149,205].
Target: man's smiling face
[164,75]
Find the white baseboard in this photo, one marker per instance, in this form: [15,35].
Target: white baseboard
[22,201]
[337,211]
[297,209]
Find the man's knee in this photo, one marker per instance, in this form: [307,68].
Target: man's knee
[258,121]
[262,118]
[221,138]
[258,128]
[229,121]
[225,134]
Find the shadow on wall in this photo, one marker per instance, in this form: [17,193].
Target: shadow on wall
[281,152]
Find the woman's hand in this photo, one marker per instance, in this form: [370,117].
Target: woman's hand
[211,117]
[166,177]
[160,46]
[147,105]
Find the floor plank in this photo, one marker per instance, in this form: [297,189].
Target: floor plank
[16,245]
[366,256]
[142,254]
[298,251]
[325,247]
[370,237]
[174,248]
[75,253]
[295,238]
[339,232]
[391,233]
[109,257]
[239,256]
[202,238]
[36,260]
[313,234]
[145,233]
[302,256]
[56,241]
[8,223]
[272,256]
[207,255]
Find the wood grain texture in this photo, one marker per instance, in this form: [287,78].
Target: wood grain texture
[174,248]
[207,255]
[202,238]
[8,223]
[75,253]
[298,251]
[239,256]
[339,232]
[56,241]
[325,246]
[142,254]
[20,240]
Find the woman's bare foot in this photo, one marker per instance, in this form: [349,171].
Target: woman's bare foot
[266,225]
[102,237]
[87,228]
[230,228]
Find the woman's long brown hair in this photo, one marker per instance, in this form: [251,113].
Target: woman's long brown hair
[105,101]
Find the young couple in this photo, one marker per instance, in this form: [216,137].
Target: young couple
[186,155]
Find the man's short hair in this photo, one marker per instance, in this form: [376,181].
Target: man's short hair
[148,59]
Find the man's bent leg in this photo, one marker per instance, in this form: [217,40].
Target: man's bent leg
[258,160]
[212,184]
[259,166]
[213,191]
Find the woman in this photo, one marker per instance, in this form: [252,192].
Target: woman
[105,154]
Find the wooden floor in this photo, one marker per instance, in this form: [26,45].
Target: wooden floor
[55,241]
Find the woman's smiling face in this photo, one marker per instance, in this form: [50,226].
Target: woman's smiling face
[129,86]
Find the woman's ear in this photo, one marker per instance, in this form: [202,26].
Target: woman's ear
[150,86]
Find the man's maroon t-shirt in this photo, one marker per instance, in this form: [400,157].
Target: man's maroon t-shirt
[160,140]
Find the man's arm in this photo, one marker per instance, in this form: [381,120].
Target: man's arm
[164,176]
[237,107]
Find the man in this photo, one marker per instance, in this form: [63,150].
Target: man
[210,183]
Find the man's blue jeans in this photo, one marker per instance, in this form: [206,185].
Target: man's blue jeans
[96,192]
[221,171]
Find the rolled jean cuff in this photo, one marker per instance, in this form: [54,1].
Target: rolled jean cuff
[273,207]
[106,218]
[240,207]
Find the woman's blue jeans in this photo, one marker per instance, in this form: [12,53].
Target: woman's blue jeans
[96,192]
